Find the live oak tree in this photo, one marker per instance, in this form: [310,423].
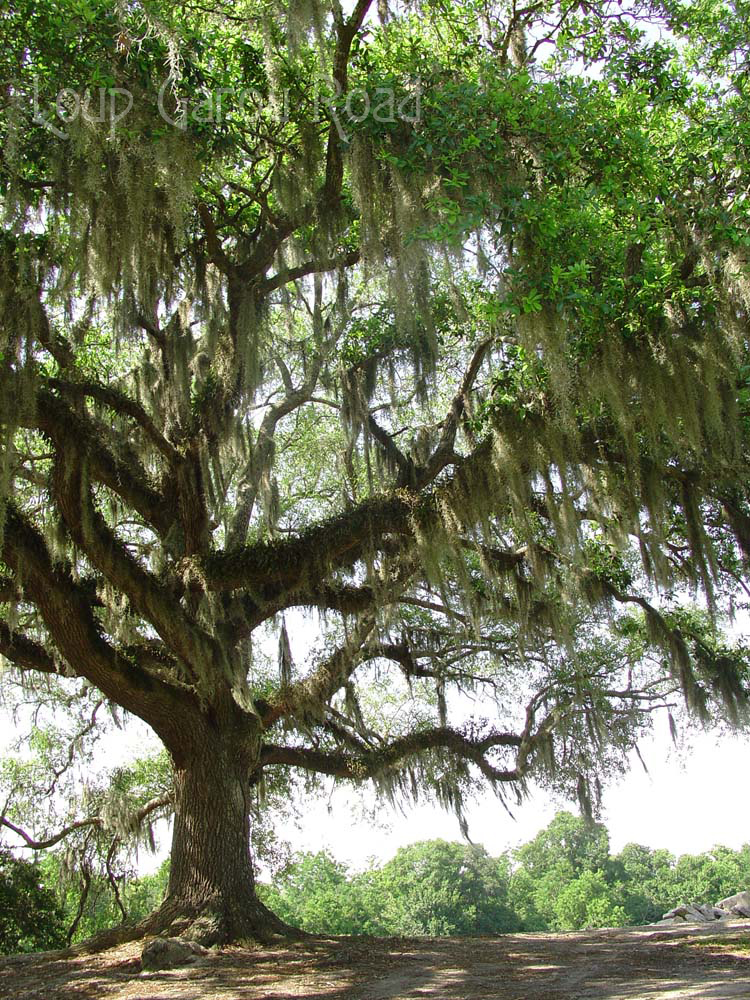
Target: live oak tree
[428,319]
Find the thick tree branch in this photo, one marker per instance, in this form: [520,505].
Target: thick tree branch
[275,281]
[328,677]
[407,472]
[216,252]
[346,32]
[25,653]
[148,596]
[390,756]
[121,404]
[444,452]
[335,543]
[341,541]
[322,683]
[66,611]
[59,423]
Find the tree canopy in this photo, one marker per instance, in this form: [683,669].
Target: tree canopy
[424,324]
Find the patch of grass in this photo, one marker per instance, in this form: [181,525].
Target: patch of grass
[723,944]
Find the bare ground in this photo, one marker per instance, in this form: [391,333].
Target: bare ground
[632,964]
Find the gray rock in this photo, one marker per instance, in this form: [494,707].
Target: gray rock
[167,953]
[704,913]
[739,899]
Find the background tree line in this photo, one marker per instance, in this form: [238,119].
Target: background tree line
[566,878]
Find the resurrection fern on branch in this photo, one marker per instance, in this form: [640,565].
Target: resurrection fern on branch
[410,338]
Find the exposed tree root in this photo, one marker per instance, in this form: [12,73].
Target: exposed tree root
[211,923]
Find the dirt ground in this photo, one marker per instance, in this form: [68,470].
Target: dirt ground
[642,963]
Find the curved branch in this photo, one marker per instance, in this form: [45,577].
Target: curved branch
[309,267]
[41,845]
[334,543]
[323,682]
[91,821]
[127,480]
[444,452]
[25,653]
[341,541]
[391,755]
[148,596]
[407,472]
[68,616]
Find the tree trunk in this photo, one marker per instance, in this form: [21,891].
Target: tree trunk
[211,895]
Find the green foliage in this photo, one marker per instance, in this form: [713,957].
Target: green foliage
[568,841]
[438,888]
[560,872]
[432,888]
[89,906]
[564,879]
[31,918]
[314,893]
[667,881]
[143,894]
[588,901]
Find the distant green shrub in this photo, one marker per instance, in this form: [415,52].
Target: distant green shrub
[30,916]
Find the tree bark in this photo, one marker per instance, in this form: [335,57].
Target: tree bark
[211,894]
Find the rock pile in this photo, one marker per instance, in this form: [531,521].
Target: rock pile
[704,913]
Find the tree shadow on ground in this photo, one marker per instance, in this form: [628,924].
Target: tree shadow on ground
[635,964]
[603,965]
[316,969]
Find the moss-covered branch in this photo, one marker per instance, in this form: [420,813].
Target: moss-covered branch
[397,753]
[26,653]
[90,821]
[69,618]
